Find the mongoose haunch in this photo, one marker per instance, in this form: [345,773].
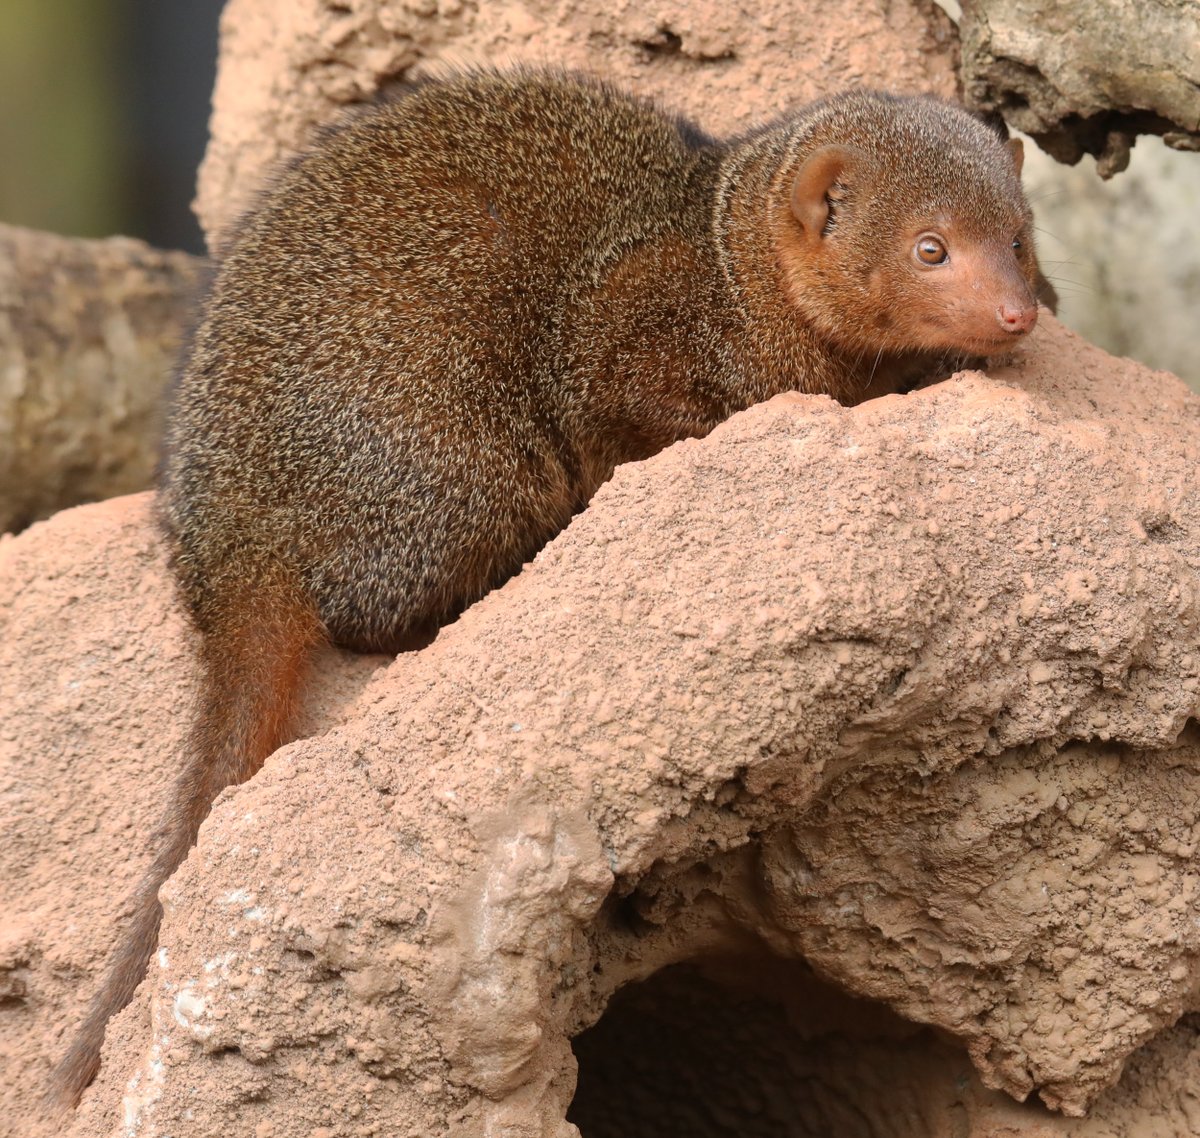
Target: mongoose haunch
[445,323]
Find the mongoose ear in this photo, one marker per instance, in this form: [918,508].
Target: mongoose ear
[821,172]
[1017,149]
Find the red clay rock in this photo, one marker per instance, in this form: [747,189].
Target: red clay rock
[901,690]
[288,66]
[95,687]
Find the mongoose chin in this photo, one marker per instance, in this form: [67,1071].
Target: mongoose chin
[446,322]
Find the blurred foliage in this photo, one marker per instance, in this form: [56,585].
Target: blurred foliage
[60,123]
[103,115]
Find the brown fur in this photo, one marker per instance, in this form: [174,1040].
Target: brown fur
[446,323]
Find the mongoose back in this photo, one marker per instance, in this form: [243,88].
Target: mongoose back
[445,323]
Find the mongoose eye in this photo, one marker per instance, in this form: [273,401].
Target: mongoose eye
[931,251]
[1016,243]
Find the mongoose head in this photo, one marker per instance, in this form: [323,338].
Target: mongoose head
[902,226]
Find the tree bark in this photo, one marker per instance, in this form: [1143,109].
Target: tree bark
[88,336]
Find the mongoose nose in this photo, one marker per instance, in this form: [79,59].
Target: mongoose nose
[1016,318]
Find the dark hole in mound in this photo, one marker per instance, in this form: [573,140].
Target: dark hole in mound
[755,1049]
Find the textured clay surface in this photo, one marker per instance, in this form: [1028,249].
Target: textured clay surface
[94,715]
[289,65]
[849,744]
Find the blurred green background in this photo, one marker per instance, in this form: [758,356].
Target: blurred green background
[103,115]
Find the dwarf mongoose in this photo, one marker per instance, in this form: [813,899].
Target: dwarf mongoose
[446,322]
